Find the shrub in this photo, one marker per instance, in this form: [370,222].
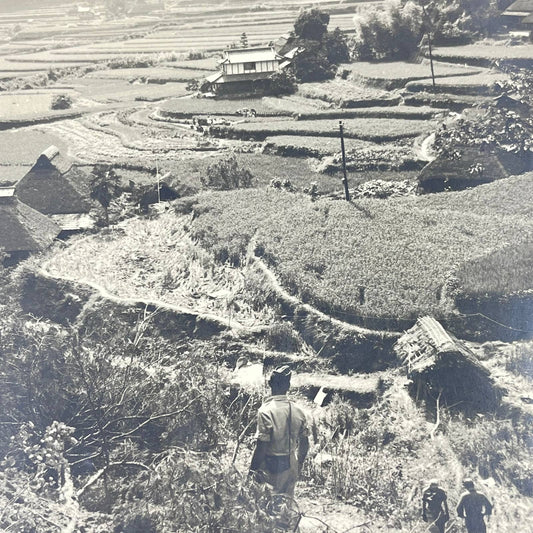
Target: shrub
[282,82]
[225,174]
[61,101]
[393,33]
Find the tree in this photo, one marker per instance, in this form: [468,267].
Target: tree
[282,82]
[321,51]
[337,50]
[105,185]
[225,174]
[389,34]
[311,24]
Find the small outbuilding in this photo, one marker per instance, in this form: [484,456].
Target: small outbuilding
[23,230]
[57,187]
[442,368]
[470,166]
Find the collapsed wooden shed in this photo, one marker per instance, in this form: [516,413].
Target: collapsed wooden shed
[442,367]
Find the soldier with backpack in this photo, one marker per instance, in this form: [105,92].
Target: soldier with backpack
[282,437]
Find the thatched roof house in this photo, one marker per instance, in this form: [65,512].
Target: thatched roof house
[23,230]
[56,186]
[469,167]
[518,14]
[441,366]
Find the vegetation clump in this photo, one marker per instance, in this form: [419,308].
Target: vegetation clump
[226,174]
[390,34]
[321,50]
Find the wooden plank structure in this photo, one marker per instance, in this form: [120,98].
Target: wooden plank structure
[443,369]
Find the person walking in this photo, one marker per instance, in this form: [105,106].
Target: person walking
[282,437]
[473,506]
[435,507]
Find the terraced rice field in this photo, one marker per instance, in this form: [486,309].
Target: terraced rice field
[487,52]
[477,84]
[398,73]
[377,130]
[14,106]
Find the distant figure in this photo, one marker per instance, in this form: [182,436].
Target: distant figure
[435,507]
[282,437]
[472,507]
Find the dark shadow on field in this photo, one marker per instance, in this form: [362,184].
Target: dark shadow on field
[363,210]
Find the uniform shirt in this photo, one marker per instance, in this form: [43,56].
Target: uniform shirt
[433,500]
[473,504]
[273,426]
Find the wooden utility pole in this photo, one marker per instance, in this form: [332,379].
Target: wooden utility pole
[345,179]
[430,50]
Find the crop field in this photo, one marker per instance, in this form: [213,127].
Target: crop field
[398,73]
[22,105]
[347,94]
[405,250]
[23,146]
[207,64]
[187,107]
[294,145]
[369,129]
[122,91]
[485,53]
[475,84]
[156,74]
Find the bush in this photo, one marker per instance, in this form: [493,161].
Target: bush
[61,101]
[225,174]
[393,33]
[282,82]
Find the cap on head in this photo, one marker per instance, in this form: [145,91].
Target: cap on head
[433,482]
[468,483]
[281,375]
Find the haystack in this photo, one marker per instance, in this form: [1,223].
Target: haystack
[444,368]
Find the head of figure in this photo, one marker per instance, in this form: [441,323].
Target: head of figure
[280,380]
[468,484]
[433,484]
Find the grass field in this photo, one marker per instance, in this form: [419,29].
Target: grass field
[401,251]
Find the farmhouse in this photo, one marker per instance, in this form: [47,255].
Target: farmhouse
[519,15]
[470,166]
[56,187]
[443,368]
[23,230]
[246,70]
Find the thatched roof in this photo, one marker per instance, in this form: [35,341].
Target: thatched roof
[468,167]
[426,342]
[520,6]
[54,185]
[441,365]
[23,229]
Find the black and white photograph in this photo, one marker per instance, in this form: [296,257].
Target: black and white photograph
[266,266]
